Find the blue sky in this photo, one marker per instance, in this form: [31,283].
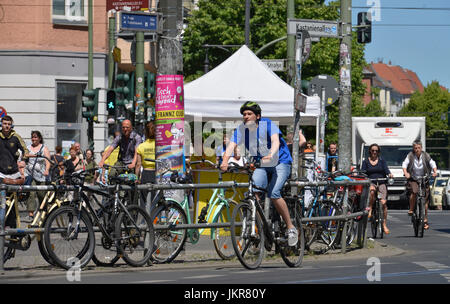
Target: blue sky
[417,45]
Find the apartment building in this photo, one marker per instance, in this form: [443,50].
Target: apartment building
[44,67]
[391,85]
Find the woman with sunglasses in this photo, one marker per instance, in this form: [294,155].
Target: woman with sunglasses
[376,167]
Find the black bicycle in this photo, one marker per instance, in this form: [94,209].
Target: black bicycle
[418,216]
[127,230]
[377,219]
[252,232]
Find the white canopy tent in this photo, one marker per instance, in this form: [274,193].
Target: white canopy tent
[219,94]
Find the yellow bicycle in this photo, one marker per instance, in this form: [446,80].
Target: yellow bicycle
[53,199]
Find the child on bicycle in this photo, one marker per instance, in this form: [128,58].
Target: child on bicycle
[263,140]
[376,167]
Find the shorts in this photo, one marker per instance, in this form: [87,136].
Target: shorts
[272,179]
[413,187]
[382,190]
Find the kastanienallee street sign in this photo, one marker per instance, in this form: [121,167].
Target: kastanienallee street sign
[133,5]
[315,28]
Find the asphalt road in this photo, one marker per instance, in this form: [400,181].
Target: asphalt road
[399,258]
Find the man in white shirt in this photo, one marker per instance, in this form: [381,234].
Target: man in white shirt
[418,163]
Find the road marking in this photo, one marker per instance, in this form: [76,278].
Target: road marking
[431,265]
[206,276]
[152,281]
[364,278]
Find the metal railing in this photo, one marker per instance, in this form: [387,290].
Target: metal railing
[361,240]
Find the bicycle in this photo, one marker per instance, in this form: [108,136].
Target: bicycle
[320,236]
[53,199]
[377,219]
[418,216]
[169,212]
[72,227]
[252,232]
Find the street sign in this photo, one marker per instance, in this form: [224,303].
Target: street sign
[316,28]
[275,64]
[3,112]
[133,5]
[330,86]
[138,21]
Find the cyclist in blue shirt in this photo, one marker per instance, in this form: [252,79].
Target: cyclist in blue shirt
[263,140]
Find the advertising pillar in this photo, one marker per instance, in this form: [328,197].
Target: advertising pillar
[170,128]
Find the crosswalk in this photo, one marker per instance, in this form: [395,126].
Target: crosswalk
[442,269]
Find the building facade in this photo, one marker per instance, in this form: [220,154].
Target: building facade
[44,68]
[391,85]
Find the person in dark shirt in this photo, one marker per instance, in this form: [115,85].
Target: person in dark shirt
[376,167]
[332,157]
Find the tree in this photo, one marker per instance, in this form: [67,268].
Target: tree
[433,103]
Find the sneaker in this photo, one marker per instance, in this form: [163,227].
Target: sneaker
[292,236]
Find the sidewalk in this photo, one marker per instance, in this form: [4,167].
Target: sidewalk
[31,264]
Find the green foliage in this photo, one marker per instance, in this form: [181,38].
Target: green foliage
[433,103]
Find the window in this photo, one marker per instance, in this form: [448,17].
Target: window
[69,123]
[69,12]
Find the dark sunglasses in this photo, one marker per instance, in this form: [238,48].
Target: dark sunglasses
[374,151]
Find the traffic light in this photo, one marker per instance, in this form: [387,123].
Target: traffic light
[364,29]
[150,84]
[111,102]
[126,89]
[90,102]
[305,86]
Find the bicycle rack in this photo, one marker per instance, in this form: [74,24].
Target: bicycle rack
[362,239]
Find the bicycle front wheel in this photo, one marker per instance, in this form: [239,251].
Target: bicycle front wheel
[105,252]
[374,221]
[421,220]
[248,246]
[168,242]
[293,255]
[134,231]
[222,236]
[330,229]
[69,237]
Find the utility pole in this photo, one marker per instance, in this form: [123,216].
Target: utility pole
[290,46]
[170,55]
[139,108]
[247,23]
[345,103]
[90,131]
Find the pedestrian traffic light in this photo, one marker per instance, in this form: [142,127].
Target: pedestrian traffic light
[364,29]
[150,84]
[90,102]
[111,102]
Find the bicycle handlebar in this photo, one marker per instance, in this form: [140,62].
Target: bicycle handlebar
[383,179]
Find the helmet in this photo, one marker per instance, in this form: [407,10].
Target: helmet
[252,106]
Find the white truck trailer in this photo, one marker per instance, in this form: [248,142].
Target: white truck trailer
[395,136]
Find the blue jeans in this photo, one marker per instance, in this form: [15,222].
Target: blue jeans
[272,179]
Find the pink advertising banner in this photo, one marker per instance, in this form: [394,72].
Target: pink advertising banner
[169,110]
